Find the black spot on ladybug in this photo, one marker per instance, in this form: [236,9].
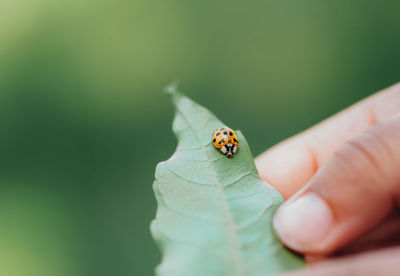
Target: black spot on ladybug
[234,139]
[219,142]
[230,133]
[218,134]
[214,140]
[226,133]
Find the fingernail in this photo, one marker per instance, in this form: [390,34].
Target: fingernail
[303,222]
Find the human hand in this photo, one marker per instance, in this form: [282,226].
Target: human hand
[341,179]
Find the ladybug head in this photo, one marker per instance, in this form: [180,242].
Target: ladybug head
[229,150]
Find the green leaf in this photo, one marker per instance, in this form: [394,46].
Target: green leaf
[214,213]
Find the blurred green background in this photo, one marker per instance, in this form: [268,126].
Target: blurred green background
[84,120]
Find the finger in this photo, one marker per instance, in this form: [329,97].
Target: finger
[382,262]
[386,234]
[291,164]
[351,193]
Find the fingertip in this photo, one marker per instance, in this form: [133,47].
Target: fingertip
[303,222]
[287,166]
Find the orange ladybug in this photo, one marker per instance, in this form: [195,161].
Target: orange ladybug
[226,141]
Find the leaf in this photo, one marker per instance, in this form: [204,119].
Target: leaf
[214,213]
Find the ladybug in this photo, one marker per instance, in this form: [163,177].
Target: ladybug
[226,141]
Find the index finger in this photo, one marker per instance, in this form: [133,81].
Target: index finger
[291,164]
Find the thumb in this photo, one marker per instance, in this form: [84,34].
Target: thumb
[350,194]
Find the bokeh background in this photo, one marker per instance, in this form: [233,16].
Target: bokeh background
[83,120]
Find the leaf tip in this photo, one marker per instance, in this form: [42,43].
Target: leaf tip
[171,88]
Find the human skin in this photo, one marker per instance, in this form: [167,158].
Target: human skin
[341,179]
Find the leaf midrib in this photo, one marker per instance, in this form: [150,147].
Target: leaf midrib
[232,226]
